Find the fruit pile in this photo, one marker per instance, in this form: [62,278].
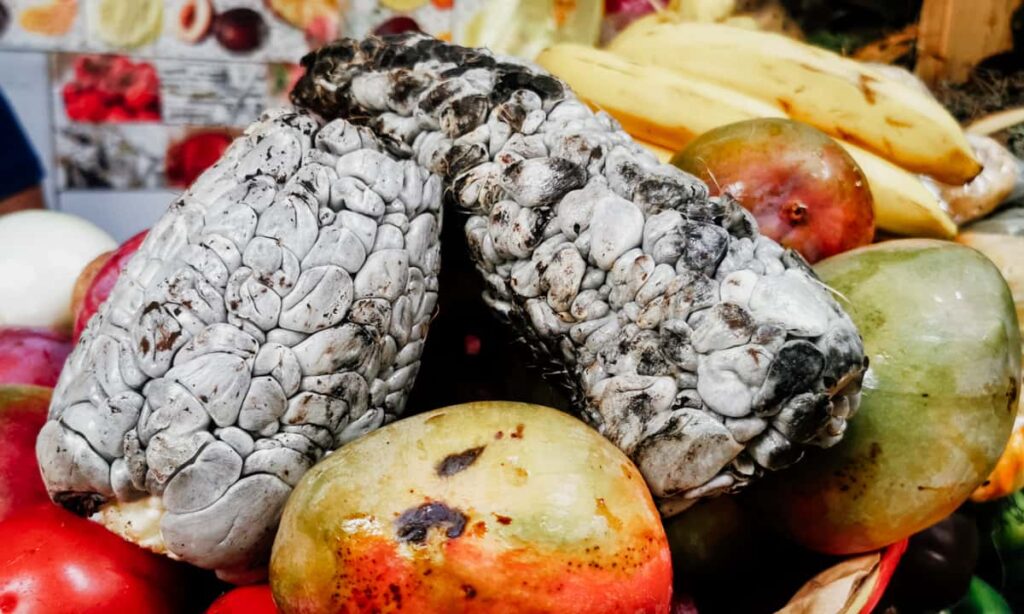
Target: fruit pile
[925,175]
[112,88]
[235,393]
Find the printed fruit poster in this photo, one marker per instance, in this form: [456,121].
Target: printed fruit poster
[145,94]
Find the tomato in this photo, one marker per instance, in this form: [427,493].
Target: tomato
[245,600]
[54,561]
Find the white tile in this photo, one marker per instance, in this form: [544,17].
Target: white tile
[122,214]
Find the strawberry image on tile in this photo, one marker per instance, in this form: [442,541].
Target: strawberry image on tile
[111,89]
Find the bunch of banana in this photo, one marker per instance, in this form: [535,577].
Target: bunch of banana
[667,81]
[838,95]
[654,105]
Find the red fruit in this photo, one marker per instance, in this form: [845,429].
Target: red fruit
[54,561]
[116,115]
[85,279]
[148,116]
[245,600]
[141,95]
[32,356]
[240,30]
[146,71]
[22,414]
[194,20]
[119,64]
[628,7]
[84,105]
[112,89]
[118,75]
[397,25]
[322,29]
[806,192]
[89,69]
[186,160]
[103,283]
[621,13]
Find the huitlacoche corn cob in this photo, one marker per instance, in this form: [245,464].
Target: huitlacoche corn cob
[705,351]
[277,310]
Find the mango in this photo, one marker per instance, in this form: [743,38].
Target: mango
[483,507]
[938,402]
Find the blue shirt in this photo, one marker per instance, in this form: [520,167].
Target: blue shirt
[19,165]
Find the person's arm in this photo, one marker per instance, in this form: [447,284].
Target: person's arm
[32,198]
[20,171]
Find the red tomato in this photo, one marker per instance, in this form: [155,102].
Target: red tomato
[104,281]
[245,600]
[53,561]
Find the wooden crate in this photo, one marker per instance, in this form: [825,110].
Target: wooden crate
[955,35]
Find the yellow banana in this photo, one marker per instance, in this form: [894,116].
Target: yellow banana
[652,104]
[663,154]
[701,10]
[903,205]
[840,96]
[674,109]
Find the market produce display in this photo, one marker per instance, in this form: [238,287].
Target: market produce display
[904,203]
[277,311]
[764,300]
[705,351]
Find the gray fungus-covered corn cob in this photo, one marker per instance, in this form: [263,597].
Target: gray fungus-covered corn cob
[276,311]
[705,351]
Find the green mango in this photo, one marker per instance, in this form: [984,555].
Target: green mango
[938,401]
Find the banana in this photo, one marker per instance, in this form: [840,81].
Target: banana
[653,104]
[663,154]
[701,10]
[903,205]
[675,109]
[840,96]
